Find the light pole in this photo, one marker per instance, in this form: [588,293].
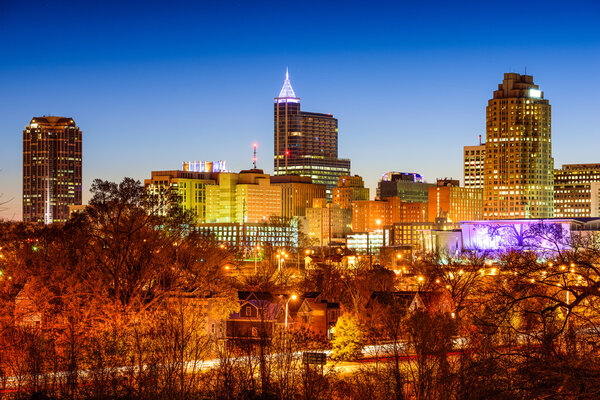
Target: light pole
[292,297]
[256,248]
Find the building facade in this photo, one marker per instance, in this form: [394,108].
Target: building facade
[449,200]
[190,186]
[327,223]
[348,190]
[473,163]
[518,166]
[595,199]
[370,215]
[247,196]
[51,169]
[297,194]
[410,187]
[306,143]
[248,236]
[573,190]
[418,235]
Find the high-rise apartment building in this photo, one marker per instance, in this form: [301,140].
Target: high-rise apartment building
[306,143]
[573,190]
[454,203]
[473,162]
[409,187]
[518,167]
[348,190]
[51,169]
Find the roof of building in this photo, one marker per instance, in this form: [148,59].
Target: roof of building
[53,120]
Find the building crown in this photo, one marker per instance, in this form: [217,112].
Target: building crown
[287,91]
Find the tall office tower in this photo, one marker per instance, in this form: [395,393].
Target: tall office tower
[51,169]
[306,143]
[409,187]
[349,189]
[473,160]
[518,167]
[573,190]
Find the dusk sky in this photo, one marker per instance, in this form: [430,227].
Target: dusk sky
[154,83]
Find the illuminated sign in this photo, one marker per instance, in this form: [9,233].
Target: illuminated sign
[536,93]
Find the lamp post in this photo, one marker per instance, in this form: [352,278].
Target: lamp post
[256,248]
[292,297]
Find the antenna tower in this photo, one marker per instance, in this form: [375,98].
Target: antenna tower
[254,156]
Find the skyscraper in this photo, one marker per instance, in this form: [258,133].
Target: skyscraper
[51,169]
[306,143]
[518,167]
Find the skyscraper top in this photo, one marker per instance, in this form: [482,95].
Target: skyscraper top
[286,91]
[52,120]
[518,86]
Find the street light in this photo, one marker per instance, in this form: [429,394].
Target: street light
[292,297]
[256,248]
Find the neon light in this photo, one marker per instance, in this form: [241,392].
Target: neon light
[286,91]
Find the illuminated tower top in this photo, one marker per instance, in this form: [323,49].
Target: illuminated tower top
[287,93]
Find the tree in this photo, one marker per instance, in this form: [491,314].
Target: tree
[349,338]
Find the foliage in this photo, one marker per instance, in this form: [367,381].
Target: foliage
[349,337]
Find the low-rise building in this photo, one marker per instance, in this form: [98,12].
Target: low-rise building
[448,200]
[275,232]
[573,192]
[297,194]
[349,189]
[190,186]
[327,223]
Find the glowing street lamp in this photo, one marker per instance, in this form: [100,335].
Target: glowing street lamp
[292,297]
[256,248]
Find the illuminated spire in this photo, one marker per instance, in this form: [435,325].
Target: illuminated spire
[286,91]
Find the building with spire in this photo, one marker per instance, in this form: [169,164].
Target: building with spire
[518,166]
[306,143]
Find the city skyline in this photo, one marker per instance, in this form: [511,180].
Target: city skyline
[141,115]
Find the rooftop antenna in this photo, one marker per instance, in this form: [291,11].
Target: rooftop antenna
[526,70]
[255,145]
[480,140]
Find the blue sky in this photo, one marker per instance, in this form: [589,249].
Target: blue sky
[154,83]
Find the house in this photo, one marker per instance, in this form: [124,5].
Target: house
[258,315]
[261,314]
[410,301]
[315,314]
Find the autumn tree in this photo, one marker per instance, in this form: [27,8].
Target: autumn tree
[348,339]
